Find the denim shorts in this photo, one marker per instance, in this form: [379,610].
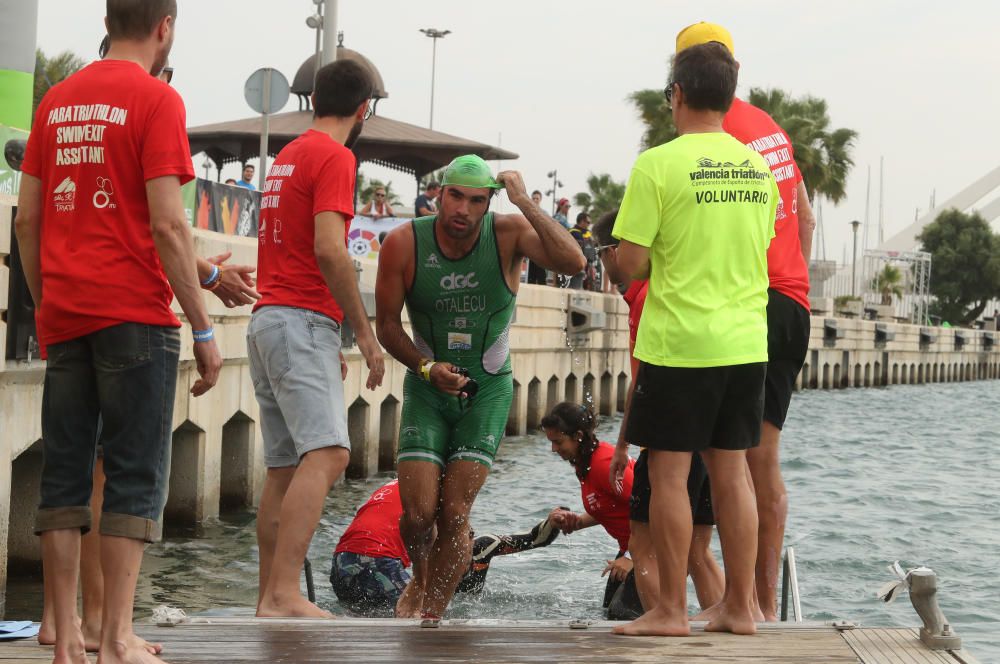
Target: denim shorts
[368,586]
[126,375]
[295,367]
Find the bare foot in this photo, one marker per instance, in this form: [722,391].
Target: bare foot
[47,634]
[70,650]
[656,623]
[130,652]
[295,606]
[759,616]
[733,620]
[411,602]
[767,617]
[708,614]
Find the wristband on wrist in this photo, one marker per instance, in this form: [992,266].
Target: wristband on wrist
[203,335]
[213,278]
[425,368]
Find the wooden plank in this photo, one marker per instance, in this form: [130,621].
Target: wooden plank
[236,641]
[895,646]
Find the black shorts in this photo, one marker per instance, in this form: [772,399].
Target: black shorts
[787,345]
[679,409]
[699,491]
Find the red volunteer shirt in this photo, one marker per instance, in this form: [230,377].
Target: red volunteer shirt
[375,529]
[313,174]
[610,509]
[98,137]
[786,267]
[635,297]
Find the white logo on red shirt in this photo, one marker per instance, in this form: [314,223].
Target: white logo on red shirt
[102,197]
[64,195]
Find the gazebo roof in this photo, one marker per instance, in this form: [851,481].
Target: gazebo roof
[387,142]
[302,84]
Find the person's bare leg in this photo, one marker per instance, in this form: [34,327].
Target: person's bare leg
[452,550]
[301,510]
[772,510]
[736,513]
[47,630]
[91,579]
[647,574]
[419,491]
[61,567]
[268,514]
[121,558]
[709,582]
[670,527]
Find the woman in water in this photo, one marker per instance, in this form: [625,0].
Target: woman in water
[570,429]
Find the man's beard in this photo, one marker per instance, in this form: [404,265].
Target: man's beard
[353,136]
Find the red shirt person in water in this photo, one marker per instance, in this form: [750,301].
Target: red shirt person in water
[105,247]
[570,429]
[787,314]
[369,564]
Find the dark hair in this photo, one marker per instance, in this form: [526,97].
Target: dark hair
[603,226]
[707,74]
[250,166]
[432,185]
[580,217]
[341,87]
[135,19]
[572,418]
[536,192]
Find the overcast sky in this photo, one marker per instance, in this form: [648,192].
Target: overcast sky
[548,79]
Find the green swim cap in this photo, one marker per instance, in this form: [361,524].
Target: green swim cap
[469,171]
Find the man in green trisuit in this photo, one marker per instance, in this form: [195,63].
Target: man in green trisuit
[458,273]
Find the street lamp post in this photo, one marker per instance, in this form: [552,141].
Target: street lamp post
[556,183]
[435,35]
[854,259]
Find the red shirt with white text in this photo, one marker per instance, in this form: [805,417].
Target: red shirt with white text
[375,529]
[98,137]
[786,266]
[600,500]
[635,297]
[313,174]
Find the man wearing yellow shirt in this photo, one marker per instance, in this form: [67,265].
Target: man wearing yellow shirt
[697,219]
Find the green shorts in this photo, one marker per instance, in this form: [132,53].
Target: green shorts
[435,427]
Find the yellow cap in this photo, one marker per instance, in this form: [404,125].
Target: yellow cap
[703,33]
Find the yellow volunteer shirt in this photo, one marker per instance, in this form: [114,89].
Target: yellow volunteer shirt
[704,205]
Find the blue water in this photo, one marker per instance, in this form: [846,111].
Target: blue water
[875,475]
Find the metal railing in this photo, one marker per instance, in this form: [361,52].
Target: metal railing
[790,586]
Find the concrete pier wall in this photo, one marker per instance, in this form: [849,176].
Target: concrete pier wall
[217,458]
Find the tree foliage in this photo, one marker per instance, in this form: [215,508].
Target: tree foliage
[365,188]
[49,71]
[965,267]
[888,282]
[822,153]
[604,195]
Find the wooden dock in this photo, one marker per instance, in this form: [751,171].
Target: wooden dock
[239,640]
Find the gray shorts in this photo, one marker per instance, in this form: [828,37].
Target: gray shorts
[295,367]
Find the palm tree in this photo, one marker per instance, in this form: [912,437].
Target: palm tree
[659,121]
[605,195]
[49,71]
[822,154]
[888,282]
[366,189]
